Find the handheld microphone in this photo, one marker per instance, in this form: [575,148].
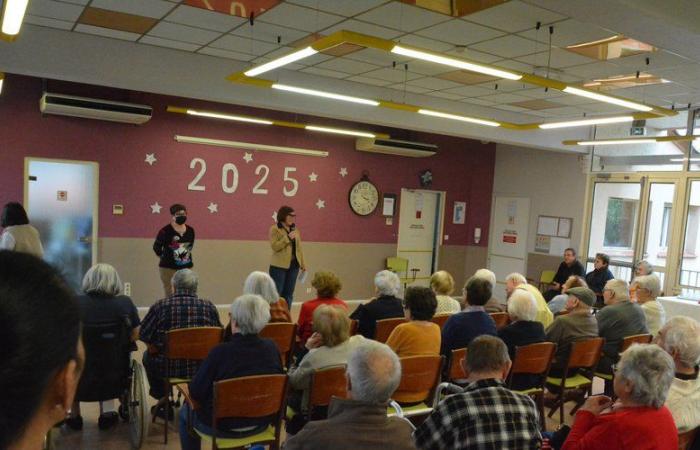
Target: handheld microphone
[292,227]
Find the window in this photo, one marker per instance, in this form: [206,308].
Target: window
[690,265]
[619,223]
[665,225]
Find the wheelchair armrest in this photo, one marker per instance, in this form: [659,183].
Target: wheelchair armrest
[442,387]
[184,389]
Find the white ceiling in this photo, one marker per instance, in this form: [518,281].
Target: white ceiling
[504,35]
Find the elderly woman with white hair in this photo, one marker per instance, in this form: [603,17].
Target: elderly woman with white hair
[680,337]
[647,288]
[638,419]
[246,354]
[103,301]
[494,305]
[385,305]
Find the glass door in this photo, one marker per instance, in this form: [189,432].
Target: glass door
[659,226]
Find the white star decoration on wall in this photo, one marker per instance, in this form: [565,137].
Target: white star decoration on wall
[313,177]
[248,157]
[155,208]
[343,171]
[213,207]
[150,158]
[320,204]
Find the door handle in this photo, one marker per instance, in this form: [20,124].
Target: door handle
[85,239]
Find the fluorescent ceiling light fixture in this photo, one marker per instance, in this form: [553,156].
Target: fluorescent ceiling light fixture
[250,146]
[430,112]
[2,79]
[618,142]
[279,62]
[324,94]
[584,122]
[607,99]
[14,14]
[458,63]
[212,115]
[340,131]
[683,159]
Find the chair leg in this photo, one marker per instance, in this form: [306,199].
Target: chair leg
[561,406]
[167,412]
[540,407]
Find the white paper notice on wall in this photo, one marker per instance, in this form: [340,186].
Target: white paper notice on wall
[512,211]
[558,245]
[547,226]
[564,230]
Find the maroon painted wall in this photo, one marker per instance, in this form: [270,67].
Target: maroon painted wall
[464,168]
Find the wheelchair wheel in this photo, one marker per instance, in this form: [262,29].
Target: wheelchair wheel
[137,406]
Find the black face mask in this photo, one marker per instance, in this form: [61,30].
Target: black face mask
[180,220]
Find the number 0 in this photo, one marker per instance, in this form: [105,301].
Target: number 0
[295,184]
[229,167]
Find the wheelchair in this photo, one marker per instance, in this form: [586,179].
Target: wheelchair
[110,372]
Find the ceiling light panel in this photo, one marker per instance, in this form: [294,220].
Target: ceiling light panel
[324,94]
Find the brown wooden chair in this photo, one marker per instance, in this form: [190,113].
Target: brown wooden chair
[440,319]
[686,440]
[627,342]
[283,334]
[386,326]
[245,397]
[534,359]
[419,374]
[455,371]
[584,355]
[325,384]
[501,318]
[354,325]
[192,344]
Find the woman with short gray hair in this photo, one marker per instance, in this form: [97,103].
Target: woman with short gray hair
[647,288]
[638,419]
[385,305]
[246,354]
[262,284]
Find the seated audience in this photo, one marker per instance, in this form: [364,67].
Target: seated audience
[620,318]
[360,421]
[577,325]
[182,309]
[494,305]
[443,285]
[517,281]
[246,354]
[385,306]
[570,267]
[330,345]
[558,304]
[102,302]
[42,353]
[647,288]
[419,336]
[600,275]
[18,235]
[327,286]
[461,328]
[680,337]
[638,419]
[486,415]
[641,268]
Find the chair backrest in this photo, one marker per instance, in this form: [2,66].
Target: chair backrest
[547,276]
[106,371]
[585,353]
[397,265]
[192,343]
[533,358]
[501,318]
[354,325]
[440,319]
[455,370]
[326,383]
[283,334]
[635,339]
[386,326]
[687,439]
[419,374]
[254,396]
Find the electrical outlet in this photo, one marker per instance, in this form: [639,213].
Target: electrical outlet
[308,290]
[127,288]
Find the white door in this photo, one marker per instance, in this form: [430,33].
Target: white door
[61,201]
[508,242]
[420,233]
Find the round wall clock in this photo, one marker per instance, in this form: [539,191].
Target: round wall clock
[363,197]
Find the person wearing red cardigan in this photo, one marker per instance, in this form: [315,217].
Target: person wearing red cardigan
[327,285]
[638,420]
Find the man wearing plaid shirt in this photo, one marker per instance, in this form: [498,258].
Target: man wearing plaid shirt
[183,309]
[486,415]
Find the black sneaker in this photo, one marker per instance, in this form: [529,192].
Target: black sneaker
[74,423]
[107,420]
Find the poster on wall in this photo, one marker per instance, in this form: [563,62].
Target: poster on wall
[459,213]
[510,237]
[542,243]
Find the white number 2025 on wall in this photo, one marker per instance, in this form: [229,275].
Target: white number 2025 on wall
[229,178]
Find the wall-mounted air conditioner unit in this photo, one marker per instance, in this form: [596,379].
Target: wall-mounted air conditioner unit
[90,108]
[395,147]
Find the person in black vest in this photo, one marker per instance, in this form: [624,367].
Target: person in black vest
[173,245]
[569,267]
[385,305]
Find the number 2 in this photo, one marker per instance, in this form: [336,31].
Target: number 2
[258,187]
[193,186]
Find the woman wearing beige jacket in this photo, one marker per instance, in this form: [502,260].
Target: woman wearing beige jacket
[287,256]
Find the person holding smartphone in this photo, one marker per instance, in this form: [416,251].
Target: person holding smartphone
[173,245]
[287,256]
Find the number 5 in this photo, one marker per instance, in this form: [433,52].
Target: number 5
[295,184]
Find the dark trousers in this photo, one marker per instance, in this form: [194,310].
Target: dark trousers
[285,280]
[155,377]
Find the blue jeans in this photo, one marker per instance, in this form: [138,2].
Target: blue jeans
[285,280]
[189,442]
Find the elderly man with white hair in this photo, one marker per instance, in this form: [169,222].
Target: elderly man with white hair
[517,281]
[360,421]
[647,288]
[385,305]
[680,337]
[246,354]
[493,305]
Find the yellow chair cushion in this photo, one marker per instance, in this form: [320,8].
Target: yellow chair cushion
[534,390]
[420,408]
[264,436]
[174,381]
[290,413]
[571,382]
[605,376]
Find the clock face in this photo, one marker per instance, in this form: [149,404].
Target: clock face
[364,198]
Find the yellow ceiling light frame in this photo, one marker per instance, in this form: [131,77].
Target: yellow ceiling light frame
[279,123]
[633,140]
[363,40]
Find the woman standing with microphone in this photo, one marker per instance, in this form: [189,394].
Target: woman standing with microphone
[287,256]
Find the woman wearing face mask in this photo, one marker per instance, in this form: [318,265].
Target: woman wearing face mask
[173,246]
[287,257]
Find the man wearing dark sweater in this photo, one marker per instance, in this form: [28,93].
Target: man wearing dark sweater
[600,275]
[473,321]
[569,267]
